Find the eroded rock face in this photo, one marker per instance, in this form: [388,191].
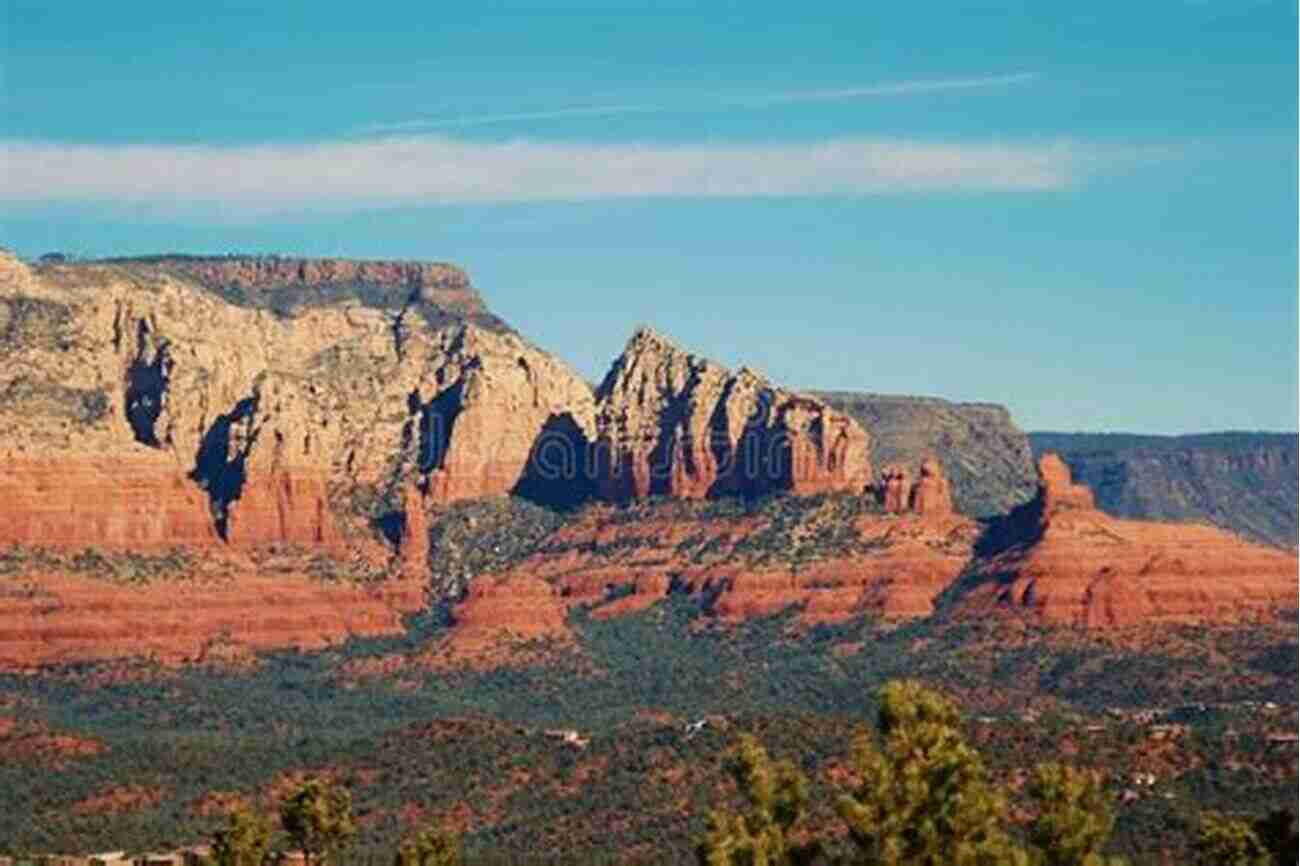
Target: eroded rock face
[282,423]
[1060,560]
[145,408]
[737,567]
[674,424]
[931,494]
[895,488]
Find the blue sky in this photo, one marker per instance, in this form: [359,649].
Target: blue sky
[1088,214]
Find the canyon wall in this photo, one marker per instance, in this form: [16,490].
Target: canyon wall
[1245,482]
[141,407]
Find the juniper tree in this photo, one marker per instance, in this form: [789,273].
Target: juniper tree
[318,817]
[770,831]
[244,841]
[924,798]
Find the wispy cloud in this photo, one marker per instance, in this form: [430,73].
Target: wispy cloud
[758,100]
[439,170]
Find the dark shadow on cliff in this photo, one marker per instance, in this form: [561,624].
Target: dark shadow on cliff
[146,387]
[437,419]
[1019,529]
[216,470]
[558,474]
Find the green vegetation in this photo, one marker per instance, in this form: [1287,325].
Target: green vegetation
[433,847]
[420,748]
[1269,841]
[318,818]
[770,830]
[244,841]
[483,536]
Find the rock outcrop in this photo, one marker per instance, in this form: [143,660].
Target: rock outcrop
[931,494]
[895,488]
[1060,560]
[290,426]
[230,406]
[984,455]
[56,618]
[673,424]
[832,559]
[1248,483]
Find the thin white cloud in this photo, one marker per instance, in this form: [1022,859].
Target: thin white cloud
[438,170]
[898,88]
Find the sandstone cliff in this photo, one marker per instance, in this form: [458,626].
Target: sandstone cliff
[145,410]
[135,386]
[1060,560]
[1245,482]
[984,455]
[671,423]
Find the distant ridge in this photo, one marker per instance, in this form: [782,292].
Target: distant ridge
[1242,481]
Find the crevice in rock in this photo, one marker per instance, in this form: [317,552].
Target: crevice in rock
[437,419]
[221,458]
[147,378]
[399,326]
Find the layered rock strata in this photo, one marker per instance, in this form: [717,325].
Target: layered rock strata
[1060,560]
[134,395]
[673,424]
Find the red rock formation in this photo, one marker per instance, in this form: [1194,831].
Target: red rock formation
[895,488]
[496,617]
[284,507]
[138,501]
[671,423]
[415,533]
[1058,489]
[894,568]
[182,409]
[931,494]
[1065,562]
[63,618]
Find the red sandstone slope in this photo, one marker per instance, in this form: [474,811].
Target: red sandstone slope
[62,618]
[837,557]
[1060,560]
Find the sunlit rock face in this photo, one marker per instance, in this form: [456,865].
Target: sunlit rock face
[673,424]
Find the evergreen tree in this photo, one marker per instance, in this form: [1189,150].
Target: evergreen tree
[1277,831]
[318,818]
[769,832]
[924,798]
[1074,817]
[1224,841]
[435,847]
[244,841]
